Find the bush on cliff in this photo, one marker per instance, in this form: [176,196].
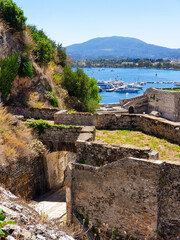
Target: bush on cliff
[8,71]
[46,49]
[12,15]
[79,85]
[26,69]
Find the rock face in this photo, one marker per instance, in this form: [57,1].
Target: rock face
[29,225]
[32,92]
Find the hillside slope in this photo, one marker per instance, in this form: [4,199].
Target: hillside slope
[28,91]
[119,47]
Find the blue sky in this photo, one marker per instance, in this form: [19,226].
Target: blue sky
[75,21]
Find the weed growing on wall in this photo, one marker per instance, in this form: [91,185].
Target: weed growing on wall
[41,125]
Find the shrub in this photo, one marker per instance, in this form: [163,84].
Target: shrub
[51,96]
[44,48]
[54,101]
[61,54]
[26,69]
[8,71]
[79,85]
[56,78]
[43,51]
[12,15]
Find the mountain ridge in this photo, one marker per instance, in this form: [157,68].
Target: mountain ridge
[119,47]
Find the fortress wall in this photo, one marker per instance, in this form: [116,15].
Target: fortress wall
[122,194]
[60,139]
[36,113]
[165,102]
[32,177]
[26,177]
[136,197]
[64,139]
[160,127]
[117,121]
[80,119]
[169,199]
[141,122]
[98,154]
[56,166]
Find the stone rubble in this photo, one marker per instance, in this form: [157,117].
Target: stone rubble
[29,225]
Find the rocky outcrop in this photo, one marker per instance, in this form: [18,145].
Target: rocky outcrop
[29,225]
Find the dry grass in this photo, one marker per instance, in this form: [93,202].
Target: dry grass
[166,149]
[16,139]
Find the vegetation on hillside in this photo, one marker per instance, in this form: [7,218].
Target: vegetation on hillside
[12,15]
[129,63]
[82,87]
[8,71]
[52,57]
[16,140]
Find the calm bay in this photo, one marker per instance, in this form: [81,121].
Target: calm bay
[131,76]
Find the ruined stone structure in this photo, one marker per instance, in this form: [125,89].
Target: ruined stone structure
[141,122]
[127,188]
[137,197]
[36,113]
[27,177]
[166,103]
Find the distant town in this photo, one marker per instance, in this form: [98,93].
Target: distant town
[129,63]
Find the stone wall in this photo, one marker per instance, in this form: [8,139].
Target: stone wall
[25,178]
[122,194]
[64,139]
[80,119]
[136,104]
[36,113]
[117,121]
[165,102]
[98,154]
[56,166]
[160,127]
[137,197]
[169,201]
[141,122]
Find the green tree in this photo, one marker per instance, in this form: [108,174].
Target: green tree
[44,48]
[79,85]
[43,51]
[12,15]
[61,54]
[140,63]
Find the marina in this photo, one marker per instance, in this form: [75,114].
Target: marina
[132,78]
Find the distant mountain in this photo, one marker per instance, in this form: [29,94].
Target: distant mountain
[119,47]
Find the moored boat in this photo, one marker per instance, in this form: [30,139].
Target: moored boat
[125,89]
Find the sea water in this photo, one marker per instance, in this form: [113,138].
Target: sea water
[131,76]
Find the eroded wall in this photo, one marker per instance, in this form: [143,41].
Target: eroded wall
[26,177]
[99,154]
[169,201]
[56,166]
[137,197]
[36,113]
[165,102]
[122,194]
